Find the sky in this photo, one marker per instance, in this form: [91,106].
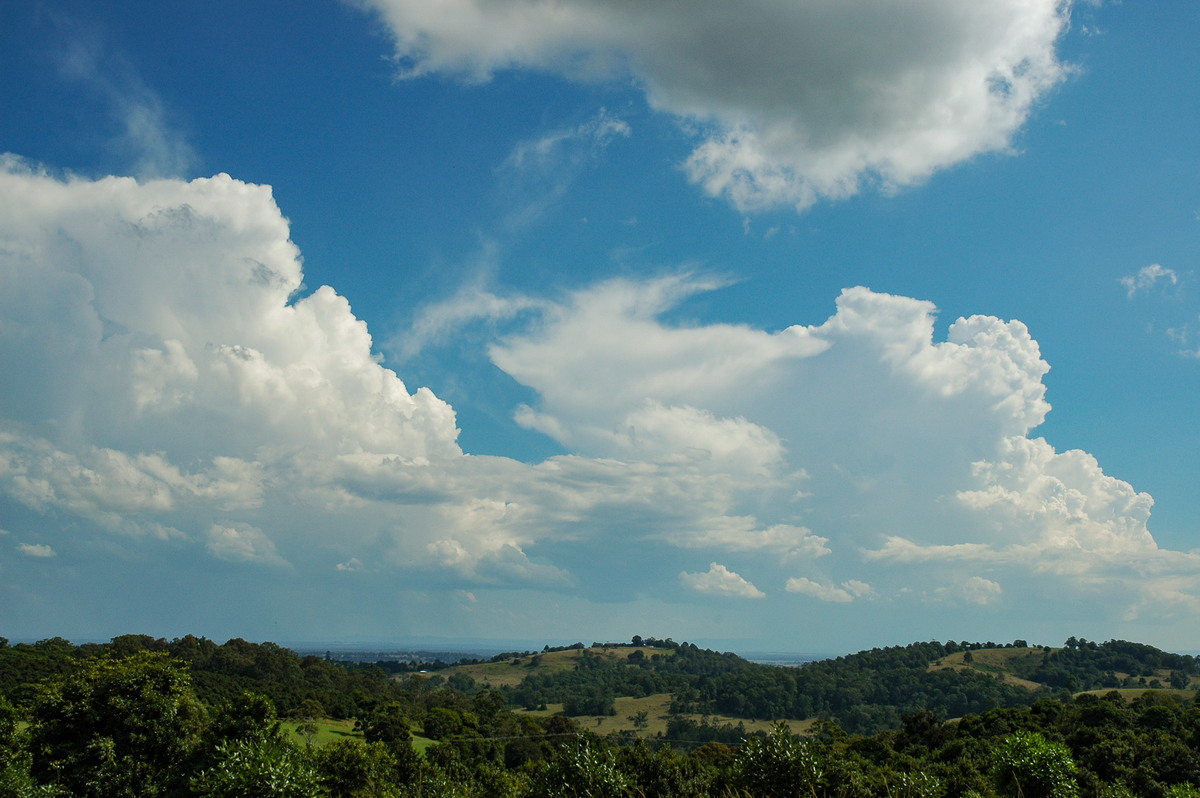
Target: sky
[794,326]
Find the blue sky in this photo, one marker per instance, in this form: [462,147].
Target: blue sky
[808,327]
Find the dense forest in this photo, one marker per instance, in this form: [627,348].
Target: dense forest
[141,716]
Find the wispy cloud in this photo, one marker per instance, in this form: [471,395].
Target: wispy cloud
[1147,278]
[538,172]
[146,141]
[1159,280]
[472,303]
[1187,338]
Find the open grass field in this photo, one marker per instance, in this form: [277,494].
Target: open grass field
[330,730]
[1131,693]
[655,707]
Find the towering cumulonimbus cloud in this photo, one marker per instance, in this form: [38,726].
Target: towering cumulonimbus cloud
[865,426]
[172,392]
[161,360]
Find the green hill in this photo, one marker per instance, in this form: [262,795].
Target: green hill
[864,692]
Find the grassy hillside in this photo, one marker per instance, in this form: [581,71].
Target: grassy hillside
[1002,663]
[1086,667]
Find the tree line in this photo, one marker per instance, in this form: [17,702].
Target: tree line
[134,718]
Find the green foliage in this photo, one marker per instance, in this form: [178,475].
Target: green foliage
[308,729]
[11,738]
[309,708]
[265,767]
[109,725]
[583,770]
[665,772]
[218,672]
[780,765]
[705,730]
[24,665]
[384,723]
[1028,765]
[915,785]
[16,781]
[350,769]
[442,723]
[1182,791]
[248,716]
[116,727]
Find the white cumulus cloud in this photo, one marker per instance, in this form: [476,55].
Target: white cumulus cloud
[1147,277]
[242,543]
[720,581]
[845,593]
[795,101]
[36,550]
[973,590]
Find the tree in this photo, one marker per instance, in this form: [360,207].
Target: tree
[307,728]
[15,761]
[116,728]
[385,724]
[249,716]
[780,765]
[442,723]
[247,755]
[350,769]
[265,767]
[664,772]
[583,770]
[307,714]
[1026,764]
